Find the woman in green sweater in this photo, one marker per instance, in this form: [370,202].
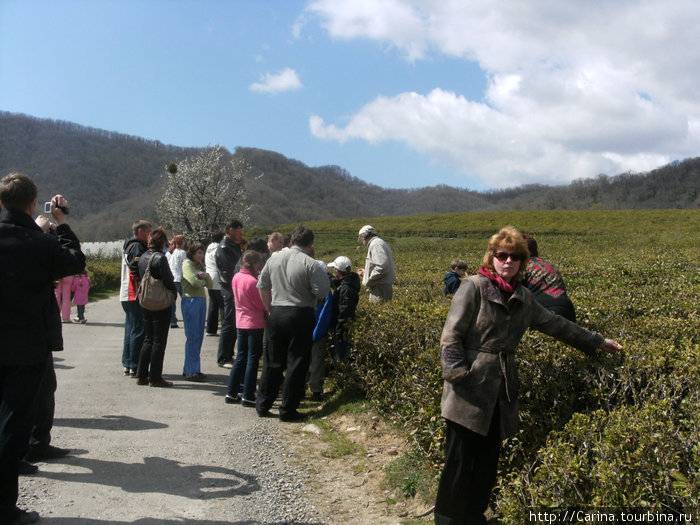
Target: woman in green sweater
[194,308]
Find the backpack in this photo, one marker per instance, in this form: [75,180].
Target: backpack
[152,293]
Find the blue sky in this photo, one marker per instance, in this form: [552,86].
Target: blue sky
[401,93]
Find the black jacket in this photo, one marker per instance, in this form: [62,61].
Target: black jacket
[227,255]
[345,298]
[30,261]
[452,282]
[160,269]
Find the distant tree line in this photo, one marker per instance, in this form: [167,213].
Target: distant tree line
[112,179]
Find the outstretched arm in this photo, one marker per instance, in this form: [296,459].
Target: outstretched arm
[610,346]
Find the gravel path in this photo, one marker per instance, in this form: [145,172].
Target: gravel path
[158,456]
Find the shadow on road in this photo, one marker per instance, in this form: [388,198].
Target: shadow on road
[152,521]
[109,422]
[158,475]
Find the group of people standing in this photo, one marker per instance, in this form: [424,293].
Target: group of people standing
[266,296]
[269,295]
[146,331]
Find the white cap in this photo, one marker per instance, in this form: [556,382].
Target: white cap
[366,229]
[341,263]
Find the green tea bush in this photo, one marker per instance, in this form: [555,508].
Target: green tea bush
[608,429]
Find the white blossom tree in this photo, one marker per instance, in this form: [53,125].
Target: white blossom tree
[203,193]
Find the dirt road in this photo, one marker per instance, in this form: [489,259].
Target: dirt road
[153,455]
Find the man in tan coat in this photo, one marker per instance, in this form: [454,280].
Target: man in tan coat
[379,273]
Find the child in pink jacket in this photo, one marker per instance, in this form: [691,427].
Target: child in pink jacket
[250,324]
[80,288]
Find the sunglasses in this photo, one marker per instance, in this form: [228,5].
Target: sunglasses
[503,256]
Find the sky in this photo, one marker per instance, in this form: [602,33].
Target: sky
[401,93]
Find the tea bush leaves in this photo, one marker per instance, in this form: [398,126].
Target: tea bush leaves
[608,430]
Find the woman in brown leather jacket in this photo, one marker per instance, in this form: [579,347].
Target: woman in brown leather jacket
[489,315]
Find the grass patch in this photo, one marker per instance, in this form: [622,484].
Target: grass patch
[410,475]
[104,293]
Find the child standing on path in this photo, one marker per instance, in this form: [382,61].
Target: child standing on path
[250,324]
[80,288]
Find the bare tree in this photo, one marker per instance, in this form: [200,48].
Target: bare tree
[204,192]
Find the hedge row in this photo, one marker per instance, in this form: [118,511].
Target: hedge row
[608,430]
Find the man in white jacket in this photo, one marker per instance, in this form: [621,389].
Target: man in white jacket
[216,303]
[379,274]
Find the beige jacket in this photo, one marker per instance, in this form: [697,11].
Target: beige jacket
[379,265]
[478,345]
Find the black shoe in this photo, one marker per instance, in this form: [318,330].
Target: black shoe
[231,400]
[317,396]
[264,413]
[46,453]
[174,326]
[247,403]
[197,378]
[289,417]
[22,517]
[26,468]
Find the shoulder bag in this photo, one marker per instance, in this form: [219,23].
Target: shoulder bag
[152,294]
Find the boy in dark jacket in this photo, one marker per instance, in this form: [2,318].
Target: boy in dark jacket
[453,278]
[346,285]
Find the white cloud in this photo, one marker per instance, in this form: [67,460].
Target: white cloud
[574,88]
[285,80]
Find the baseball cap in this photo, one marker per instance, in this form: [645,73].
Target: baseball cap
[367,229]
[341,263]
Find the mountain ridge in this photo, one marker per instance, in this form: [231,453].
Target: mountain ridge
[112,178]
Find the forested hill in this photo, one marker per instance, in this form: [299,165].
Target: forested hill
[112,179]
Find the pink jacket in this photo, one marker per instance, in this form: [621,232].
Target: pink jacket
[80,288]
[250,311]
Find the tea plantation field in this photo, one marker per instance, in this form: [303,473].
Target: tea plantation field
[613,430]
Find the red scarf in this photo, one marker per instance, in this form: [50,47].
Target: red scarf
[505,287]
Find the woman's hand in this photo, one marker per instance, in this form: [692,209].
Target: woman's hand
[610,346]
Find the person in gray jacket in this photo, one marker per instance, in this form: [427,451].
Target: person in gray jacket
[487,319]
[379,273]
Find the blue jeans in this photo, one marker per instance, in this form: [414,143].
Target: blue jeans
[250,342]
[133,334]
[173,317]
[194,314]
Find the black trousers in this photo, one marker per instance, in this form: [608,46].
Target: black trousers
[214,309]
[227,340]
[156,327]
[291,337]
[469,475]
[44,408]
[19,386]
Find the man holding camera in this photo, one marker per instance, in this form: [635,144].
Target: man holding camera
[30,261]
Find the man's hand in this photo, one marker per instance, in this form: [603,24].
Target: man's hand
[58,214]
[44,223]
